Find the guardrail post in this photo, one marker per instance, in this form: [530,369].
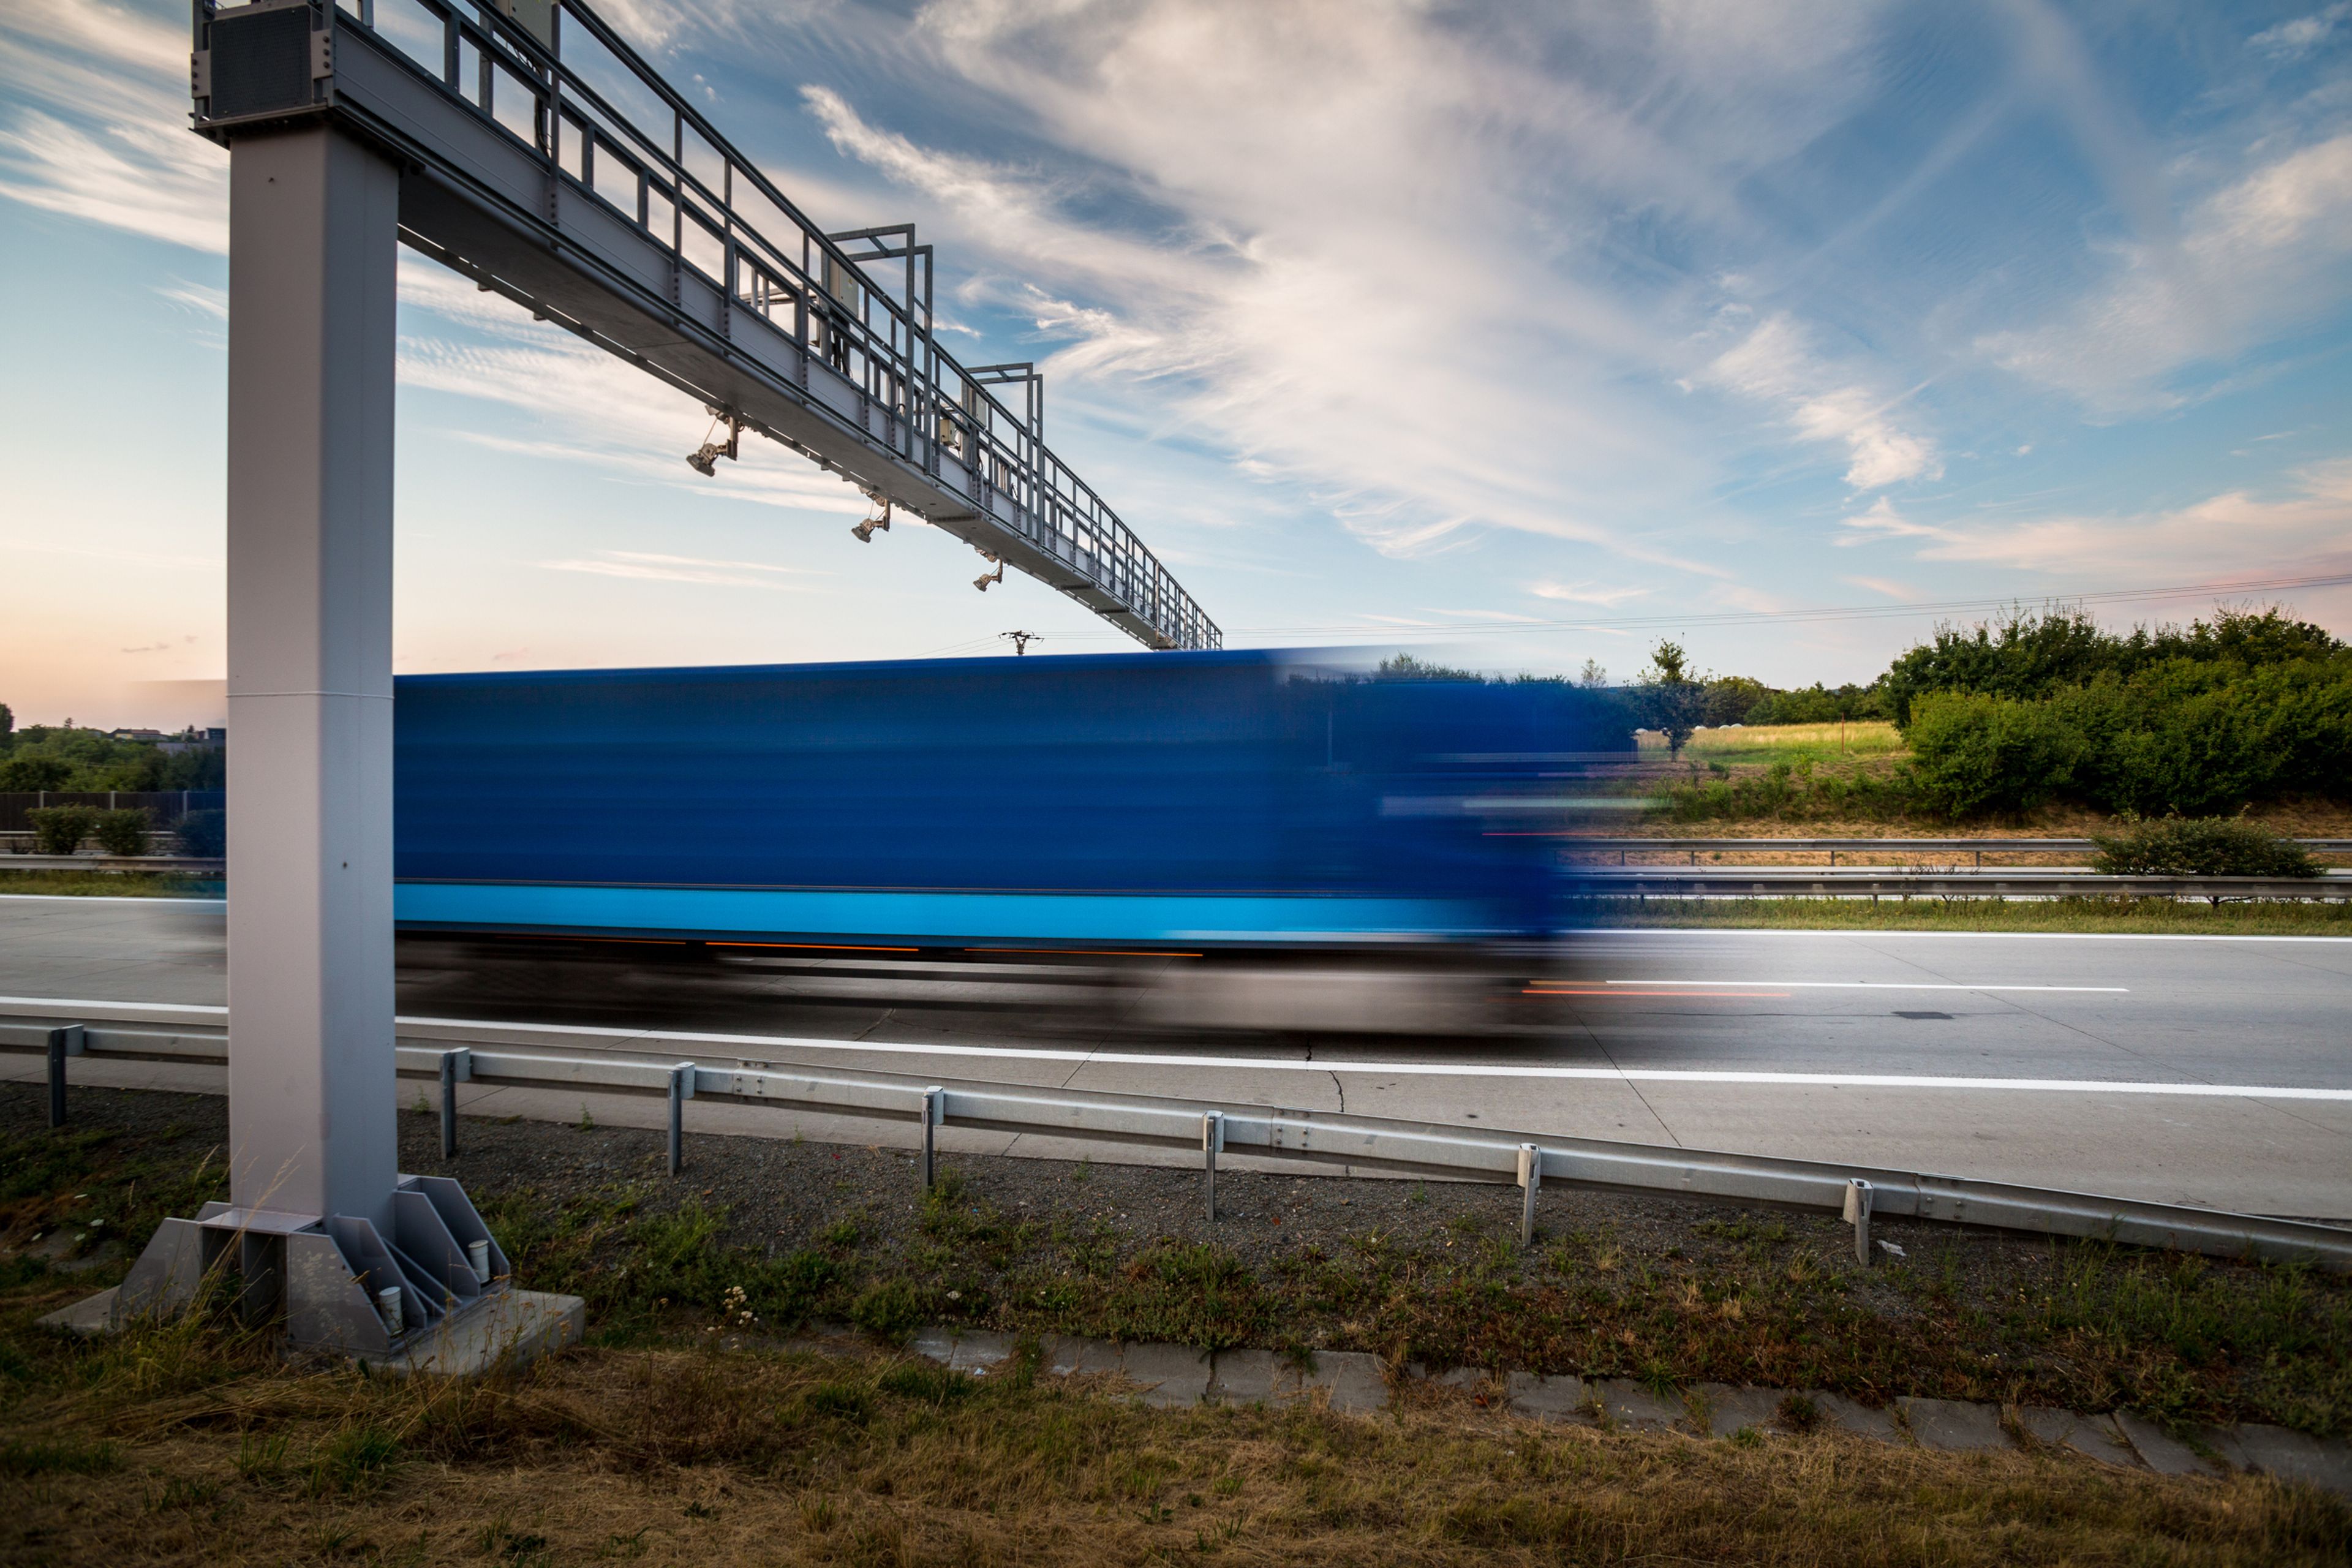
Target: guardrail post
[934,1112]
[449,1105]
[63,1042]
[1857,1215]
[1531,1180]
[681,1088]
[1213,1141]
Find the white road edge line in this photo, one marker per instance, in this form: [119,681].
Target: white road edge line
[1865,985]
[1956,935]
[649,1037]
[1592,931]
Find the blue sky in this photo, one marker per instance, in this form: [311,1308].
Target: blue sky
[1526,333]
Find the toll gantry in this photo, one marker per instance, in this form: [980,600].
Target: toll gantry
[539,155]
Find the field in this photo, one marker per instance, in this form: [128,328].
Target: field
[1761,745]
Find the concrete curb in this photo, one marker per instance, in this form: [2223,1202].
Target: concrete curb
[1172,1377]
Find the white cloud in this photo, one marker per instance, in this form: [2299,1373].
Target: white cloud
[1585,593]
[2290,40]
[2236,534]
[1823,403]
[647,567]
[112,144]
[1901,592]
[1882,521]
[2258,256]
[201,298]
[2305,529]
[1371,264]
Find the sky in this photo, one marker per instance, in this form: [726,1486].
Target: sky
[1521,334]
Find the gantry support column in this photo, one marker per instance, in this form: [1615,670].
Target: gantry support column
[313,228]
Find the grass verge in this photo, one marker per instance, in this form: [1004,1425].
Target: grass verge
[2145,917]
[1665,1291]
[663,1456]
[108,884]
[689,1431]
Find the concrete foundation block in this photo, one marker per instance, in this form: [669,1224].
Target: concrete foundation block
[1474,1381]
[2093,1436]
[1730,1409]
[1562,1398]
[2289,1456]
[504,1330]
[1171,1376]
[1245,1377]
[91,1315]
[981,1354]
[2162,1452]
[1626,1404]
[1073,1358]
[1953,1426]
[1845,1416]
[1353,1381]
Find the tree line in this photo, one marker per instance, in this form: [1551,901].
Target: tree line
[2034,705]
[64,757]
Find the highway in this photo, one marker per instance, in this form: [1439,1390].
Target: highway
[2186,1070]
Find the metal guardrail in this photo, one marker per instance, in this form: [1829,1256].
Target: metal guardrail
[1527,1159]
[182,865]
[1995,882]
[1666,881]
[1979,845]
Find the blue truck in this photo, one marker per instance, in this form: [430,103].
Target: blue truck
[1229,800]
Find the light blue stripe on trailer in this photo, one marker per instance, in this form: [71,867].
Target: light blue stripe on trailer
[928,916]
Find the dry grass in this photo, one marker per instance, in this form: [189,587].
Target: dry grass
[753,1455]
[1763,744]
[105,884]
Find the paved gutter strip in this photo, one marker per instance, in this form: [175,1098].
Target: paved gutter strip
[1177,1377]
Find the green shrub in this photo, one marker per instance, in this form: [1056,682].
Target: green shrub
[2202,847]
[1973,753]
[61,829]
[34,773]
[204,833]
[890,1311]
[124,832]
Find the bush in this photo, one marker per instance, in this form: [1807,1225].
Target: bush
[61,829]
[124,832]
[34,773]
[204,833]
[1817,704]
[1972,754]
[2202,847]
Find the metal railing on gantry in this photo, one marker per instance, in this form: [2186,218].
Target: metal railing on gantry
[543,158]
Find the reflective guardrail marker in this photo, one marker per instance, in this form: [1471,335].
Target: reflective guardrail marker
[1857,1215]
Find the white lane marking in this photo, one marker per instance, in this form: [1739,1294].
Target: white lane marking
[178,898]
[166,899]
[70,1005]
[1869,985]
[1963,935]
[1284,1064]
[1429,1069]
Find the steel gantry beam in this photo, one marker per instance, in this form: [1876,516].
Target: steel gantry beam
[539,156]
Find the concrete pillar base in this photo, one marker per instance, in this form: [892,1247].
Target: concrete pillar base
[433,1296]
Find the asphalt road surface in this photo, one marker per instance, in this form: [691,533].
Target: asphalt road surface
[2189,1069]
